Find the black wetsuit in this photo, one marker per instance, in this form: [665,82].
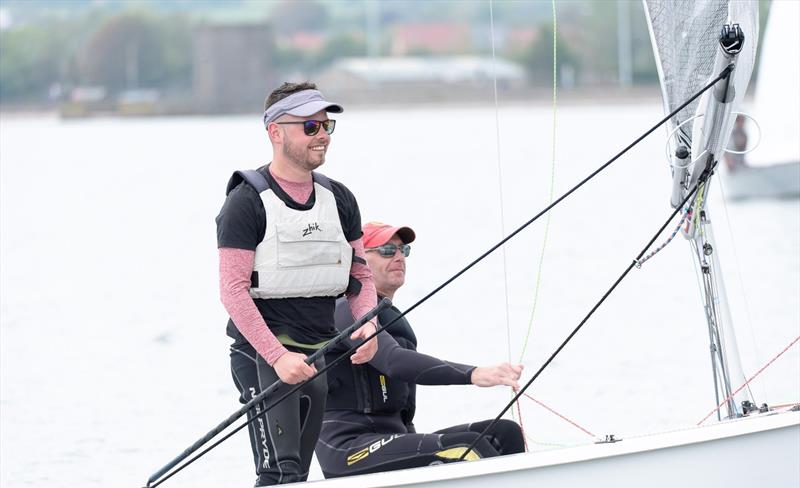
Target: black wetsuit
[368,425]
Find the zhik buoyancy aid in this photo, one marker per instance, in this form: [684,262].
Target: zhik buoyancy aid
[304,253]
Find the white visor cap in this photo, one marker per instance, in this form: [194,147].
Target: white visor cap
[300,104]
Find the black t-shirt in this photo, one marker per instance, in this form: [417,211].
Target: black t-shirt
[241,224]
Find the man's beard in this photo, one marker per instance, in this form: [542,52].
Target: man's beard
[300,157]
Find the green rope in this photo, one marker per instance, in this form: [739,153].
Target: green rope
[552,188]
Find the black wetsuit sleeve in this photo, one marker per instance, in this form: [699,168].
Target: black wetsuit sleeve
[402,364]
[241,223]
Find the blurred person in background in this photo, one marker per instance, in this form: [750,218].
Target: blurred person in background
[738,142]
[289,243]
[369,416]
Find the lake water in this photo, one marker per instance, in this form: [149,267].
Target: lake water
[114,355]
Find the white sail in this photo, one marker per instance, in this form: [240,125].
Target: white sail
[685,36]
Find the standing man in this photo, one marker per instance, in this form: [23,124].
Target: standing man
[369,415]
[289,243]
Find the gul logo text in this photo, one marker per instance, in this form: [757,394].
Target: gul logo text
[383,388]
[354,458]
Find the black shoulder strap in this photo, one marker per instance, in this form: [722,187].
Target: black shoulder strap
[322,180]
[401,331]
[251,176]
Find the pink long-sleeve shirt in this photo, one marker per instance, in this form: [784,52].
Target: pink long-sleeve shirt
[236,267]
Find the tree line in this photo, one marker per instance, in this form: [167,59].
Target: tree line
[132,49]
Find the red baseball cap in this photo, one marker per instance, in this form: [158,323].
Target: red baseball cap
[377,234]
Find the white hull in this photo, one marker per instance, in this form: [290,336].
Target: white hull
[763,450]
[775,181]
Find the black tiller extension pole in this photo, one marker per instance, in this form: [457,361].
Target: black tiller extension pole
[288,393]
[272,405]
[383,304]
[701,180]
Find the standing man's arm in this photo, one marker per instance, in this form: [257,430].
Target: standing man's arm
[240,227]
[235,268]
[366,298]
[361,303]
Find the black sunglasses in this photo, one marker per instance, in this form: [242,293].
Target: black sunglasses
[311,127]
[388,250]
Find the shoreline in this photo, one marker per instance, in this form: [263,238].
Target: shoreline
[386,98]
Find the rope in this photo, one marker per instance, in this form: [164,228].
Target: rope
[695,217]
[663,245]
[738,267]
[749,380]
[703,177]
[500,179]
[500,193]
[550,444]
[521,427]
[561,416]
[552,188]
[784,406]
[546,228]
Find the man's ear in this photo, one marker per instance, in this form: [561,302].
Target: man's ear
[275,133]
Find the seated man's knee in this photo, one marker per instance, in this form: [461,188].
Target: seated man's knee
[455,445]
[507,437]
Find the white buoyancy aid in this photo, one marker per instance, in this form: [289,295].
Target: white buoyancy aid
[304,252]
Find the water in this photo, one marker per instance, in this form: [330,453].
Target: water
[114,356]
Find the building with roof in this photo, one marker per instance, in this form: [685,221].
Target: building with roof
[232,67]
[429,74]
[433,38]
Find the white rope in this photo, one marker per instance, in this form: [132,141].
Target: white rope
[730,151]
[500,183]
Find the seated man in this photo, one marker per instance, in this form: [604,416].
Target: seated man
[368,424]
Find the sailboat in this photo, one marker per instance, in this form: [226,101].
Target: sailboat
[772,168]
[703,48]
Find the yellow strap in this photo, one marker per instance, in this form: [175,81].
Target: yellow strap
[288,341]
[456,453]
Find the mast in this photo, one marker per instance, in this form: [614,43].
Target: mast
[709,140]
[726,367]
[694,42]
[713,136]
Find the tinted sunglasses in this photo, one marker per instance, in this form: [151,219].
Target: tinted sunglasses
[311,127]
[388,250]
